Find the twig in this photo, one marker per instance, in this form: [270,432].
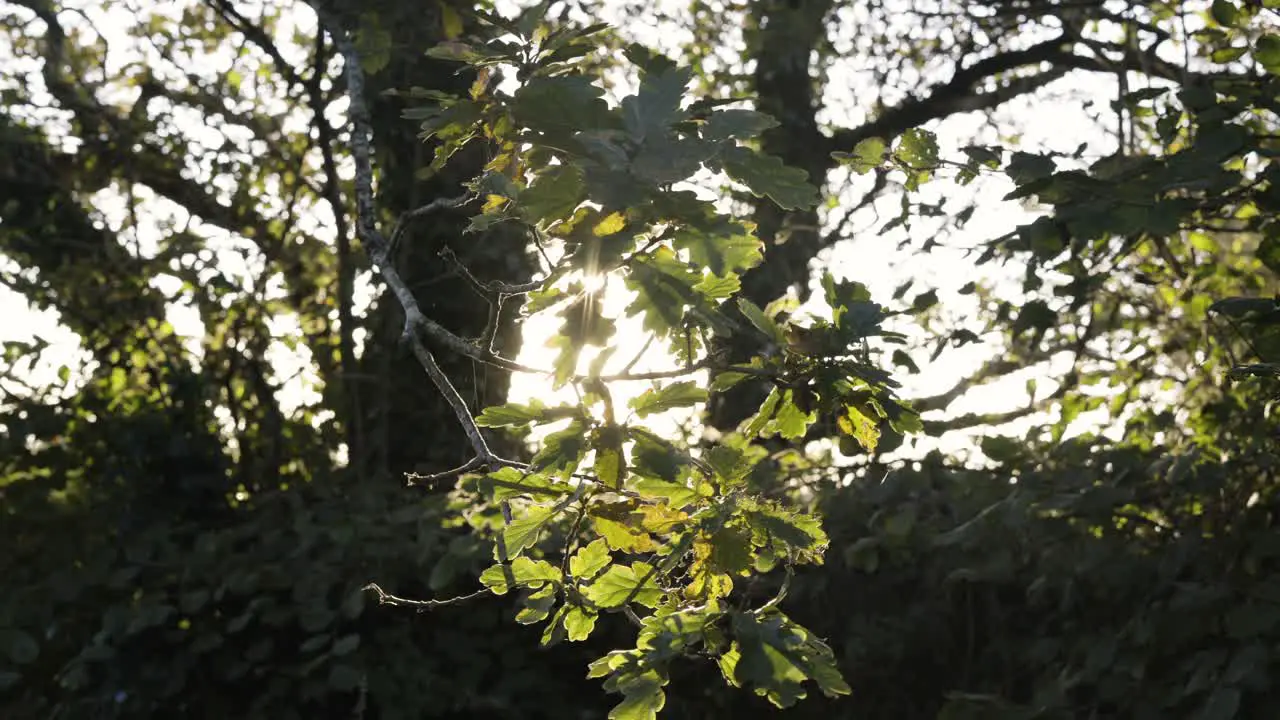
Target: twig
[417,478]
[489,287]
[386,598]
[402,224]
[782,593]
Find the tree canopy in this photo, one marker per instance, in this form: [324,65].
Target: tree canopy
[301,250]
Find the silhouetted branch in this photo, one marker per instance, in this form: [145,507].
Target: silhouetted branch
[379,247]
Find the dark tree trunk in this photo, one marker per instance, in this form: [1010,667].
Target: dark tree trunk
[782,40]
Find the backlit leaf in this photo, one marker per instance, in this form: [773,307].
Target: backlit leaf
[768,176]
[685,393]
[867,155]
[590,559]
[736,123]
[523,531]
[621,582]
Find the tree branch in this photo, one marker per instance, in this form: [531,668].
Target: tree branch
[956,95]
[379,247]
[386,598]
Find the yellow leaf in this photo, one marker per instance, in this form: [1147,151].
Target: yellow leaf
[610,225]
[860,427]
[621,538]
[450,22]
[660,519]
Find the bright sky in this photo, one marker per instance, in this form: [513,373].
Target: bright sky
[1055,119]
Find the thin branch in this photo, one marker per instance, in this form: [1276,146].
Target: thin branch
[346,268]
[386,598]
[956,95]
[466,467]
[402,224]
[256,35]
[488,288]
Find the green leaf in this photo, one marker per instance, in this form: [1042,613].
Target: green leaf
[1226,55]
[764,415]
[622,538]
[373,43]
[647,60]
[523,531]
[643,698]
[677,493]
[562,451]
[924,301]
[511,414]
[867,155]
[798,532]
[768,176]
[656,106]
[663,287]
[450,22]
[345,645]
[731,551]
[1225,13]
[537,605]
[775,656]
[508,482]
[19,646]
[728,379]
[584,321]
[617,584]
[561,103]
[522,572]
[578,623]
[653,458]
[1025,168]
[729,463]
[1001,449]
[685,393]
[762,322]
[666,159]
[609,467]
[1266,50]
[918,149]
[344,678]
[1222,704]
[590,559]
[790,421]
[1035,315]
[721,252]
[713,287]
[554,194]
[735,123]
[902,359]
[1269,250]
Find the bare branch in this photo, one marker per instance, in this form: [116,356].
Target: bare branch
[402,225]
[489,288]
[379,248]
[956,95]
[386,598]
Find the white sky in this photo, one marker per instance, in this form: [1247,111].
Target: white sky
[1054,119]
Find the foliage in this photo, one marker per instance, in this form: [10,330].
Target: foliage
[656,530]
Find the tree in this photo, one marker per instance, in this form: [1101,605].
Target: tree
[1138,542]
